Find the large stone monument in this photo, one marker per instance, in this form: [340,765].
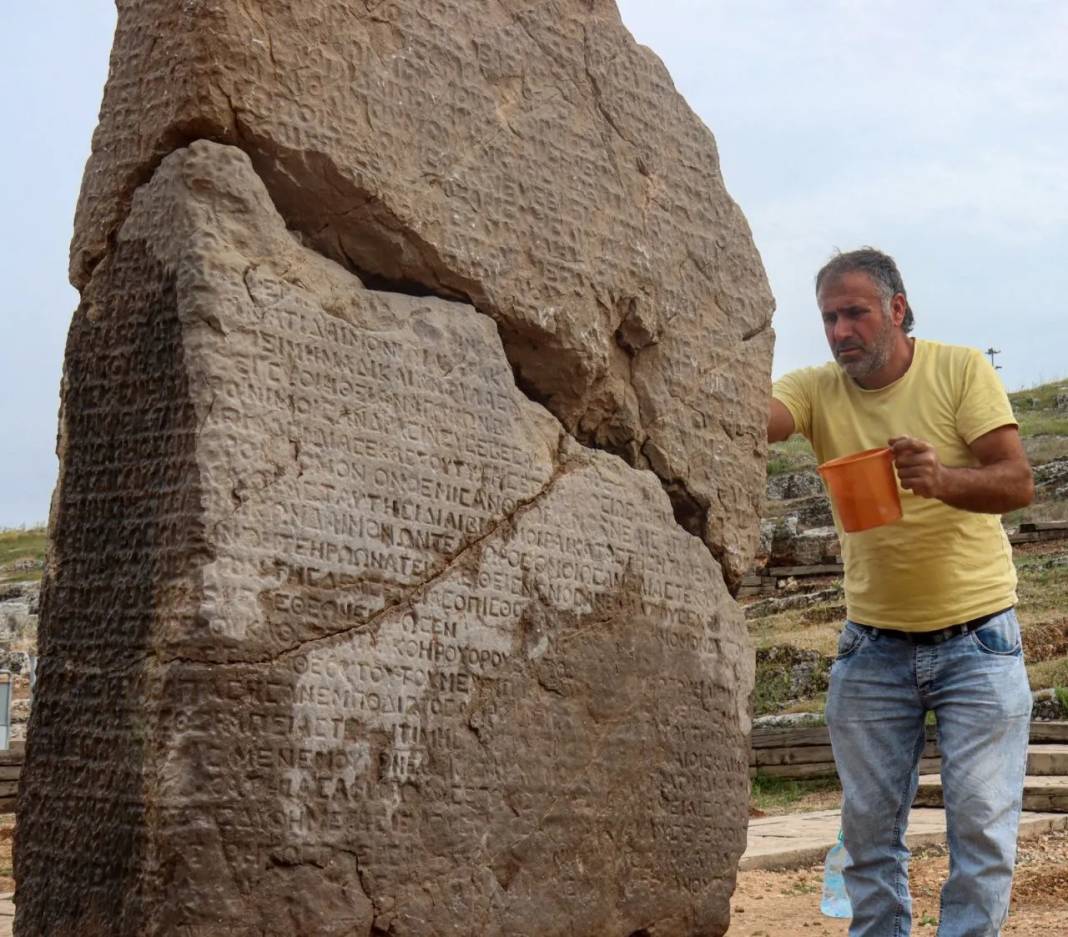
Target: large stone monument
[411,443]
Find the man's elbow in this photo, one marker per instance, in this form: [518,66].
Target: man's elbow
[1024,489]
[1027,490]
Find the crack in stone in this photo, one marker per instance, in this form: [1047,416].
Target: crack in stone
[250,9]
[754,332]
[566,69]
[432,277]
[598,96]
[207,413]
[414,592]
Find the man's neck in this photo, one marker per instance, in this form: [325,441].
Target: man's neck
[900,361]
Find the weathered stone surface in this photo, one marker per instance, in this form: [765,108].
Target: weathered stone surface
[794,485]
[18,616]
[528,158]
[786,543]
[1051,479]
[342,634]
[776,604]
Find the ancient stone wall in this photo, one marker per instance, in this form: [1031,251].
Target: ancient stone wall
[342,632]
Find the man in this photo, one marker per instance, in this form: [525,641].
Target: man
[931,626]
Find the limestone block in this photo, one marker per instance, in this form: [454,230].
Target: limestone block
[792,485]
[791,546]
[342,634]
[527,158]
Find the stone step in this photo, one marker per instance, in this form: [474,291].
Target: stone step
[808,760]
[1047,760]
[1047,793]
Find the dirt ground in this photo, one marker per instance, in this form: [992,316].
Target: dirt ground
[7,830]
[787,904]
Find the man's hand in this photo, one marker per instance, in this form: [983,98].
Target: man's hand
[918,466]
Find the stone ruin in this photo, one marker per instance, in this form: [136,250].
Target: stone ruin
[411,445]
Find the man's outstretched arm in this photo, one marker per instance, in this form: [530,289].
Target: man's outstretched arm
[1001,482]
[780,423]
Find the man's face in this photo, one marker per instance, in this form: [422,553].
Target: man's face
[860,332]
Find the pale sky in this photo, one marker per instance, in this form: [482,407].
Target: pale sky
[935,131]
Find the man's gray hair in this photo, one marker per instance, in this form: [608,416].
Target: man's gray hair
[879,267]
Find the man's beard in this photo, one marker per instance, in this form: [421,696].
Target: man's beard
[874,355]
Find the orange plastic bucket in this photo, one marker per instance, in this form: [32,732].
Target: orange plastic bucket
[863,488]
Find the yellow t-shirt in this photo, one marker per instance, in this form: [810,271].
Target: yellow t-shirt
[938,565]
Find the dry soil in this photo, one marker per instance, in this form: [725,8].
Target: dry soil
[785,904]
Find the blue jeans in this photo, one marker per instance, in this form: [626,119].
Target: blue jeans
[881,688]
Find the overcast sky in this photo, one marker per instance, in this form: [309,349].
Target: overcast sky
[936,131]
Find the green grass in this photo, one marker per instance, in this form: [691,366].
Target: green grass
[1039,511]
[802,888]
[1042,424]
[1045,395]
[779,793]
[814,704]
[1040,567]
[22,544]
[774,686]
[794,455]
[1043,590]
[1036,410]
[1050,674]
[1042,449]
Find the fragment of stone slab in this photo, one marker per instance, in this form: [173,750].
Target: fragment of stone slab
[792,485]
[18,617]
[1051,479]
[812,547]
[776,604]
[528,158]
[342,634]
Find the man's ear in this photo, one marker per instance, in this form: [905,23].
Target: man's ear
[898,307]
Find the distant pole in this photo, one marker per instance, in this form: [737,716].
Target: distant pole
[994,351]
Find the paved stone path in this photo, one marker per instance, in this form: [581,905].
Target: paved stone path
[7,915]
[799,839]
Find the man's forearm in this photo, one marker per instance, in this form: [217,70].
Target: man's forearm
[989,489]
[1001,482]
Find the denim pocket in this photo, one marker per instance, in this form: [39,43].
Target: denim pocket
[849,641]
[1000,636]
